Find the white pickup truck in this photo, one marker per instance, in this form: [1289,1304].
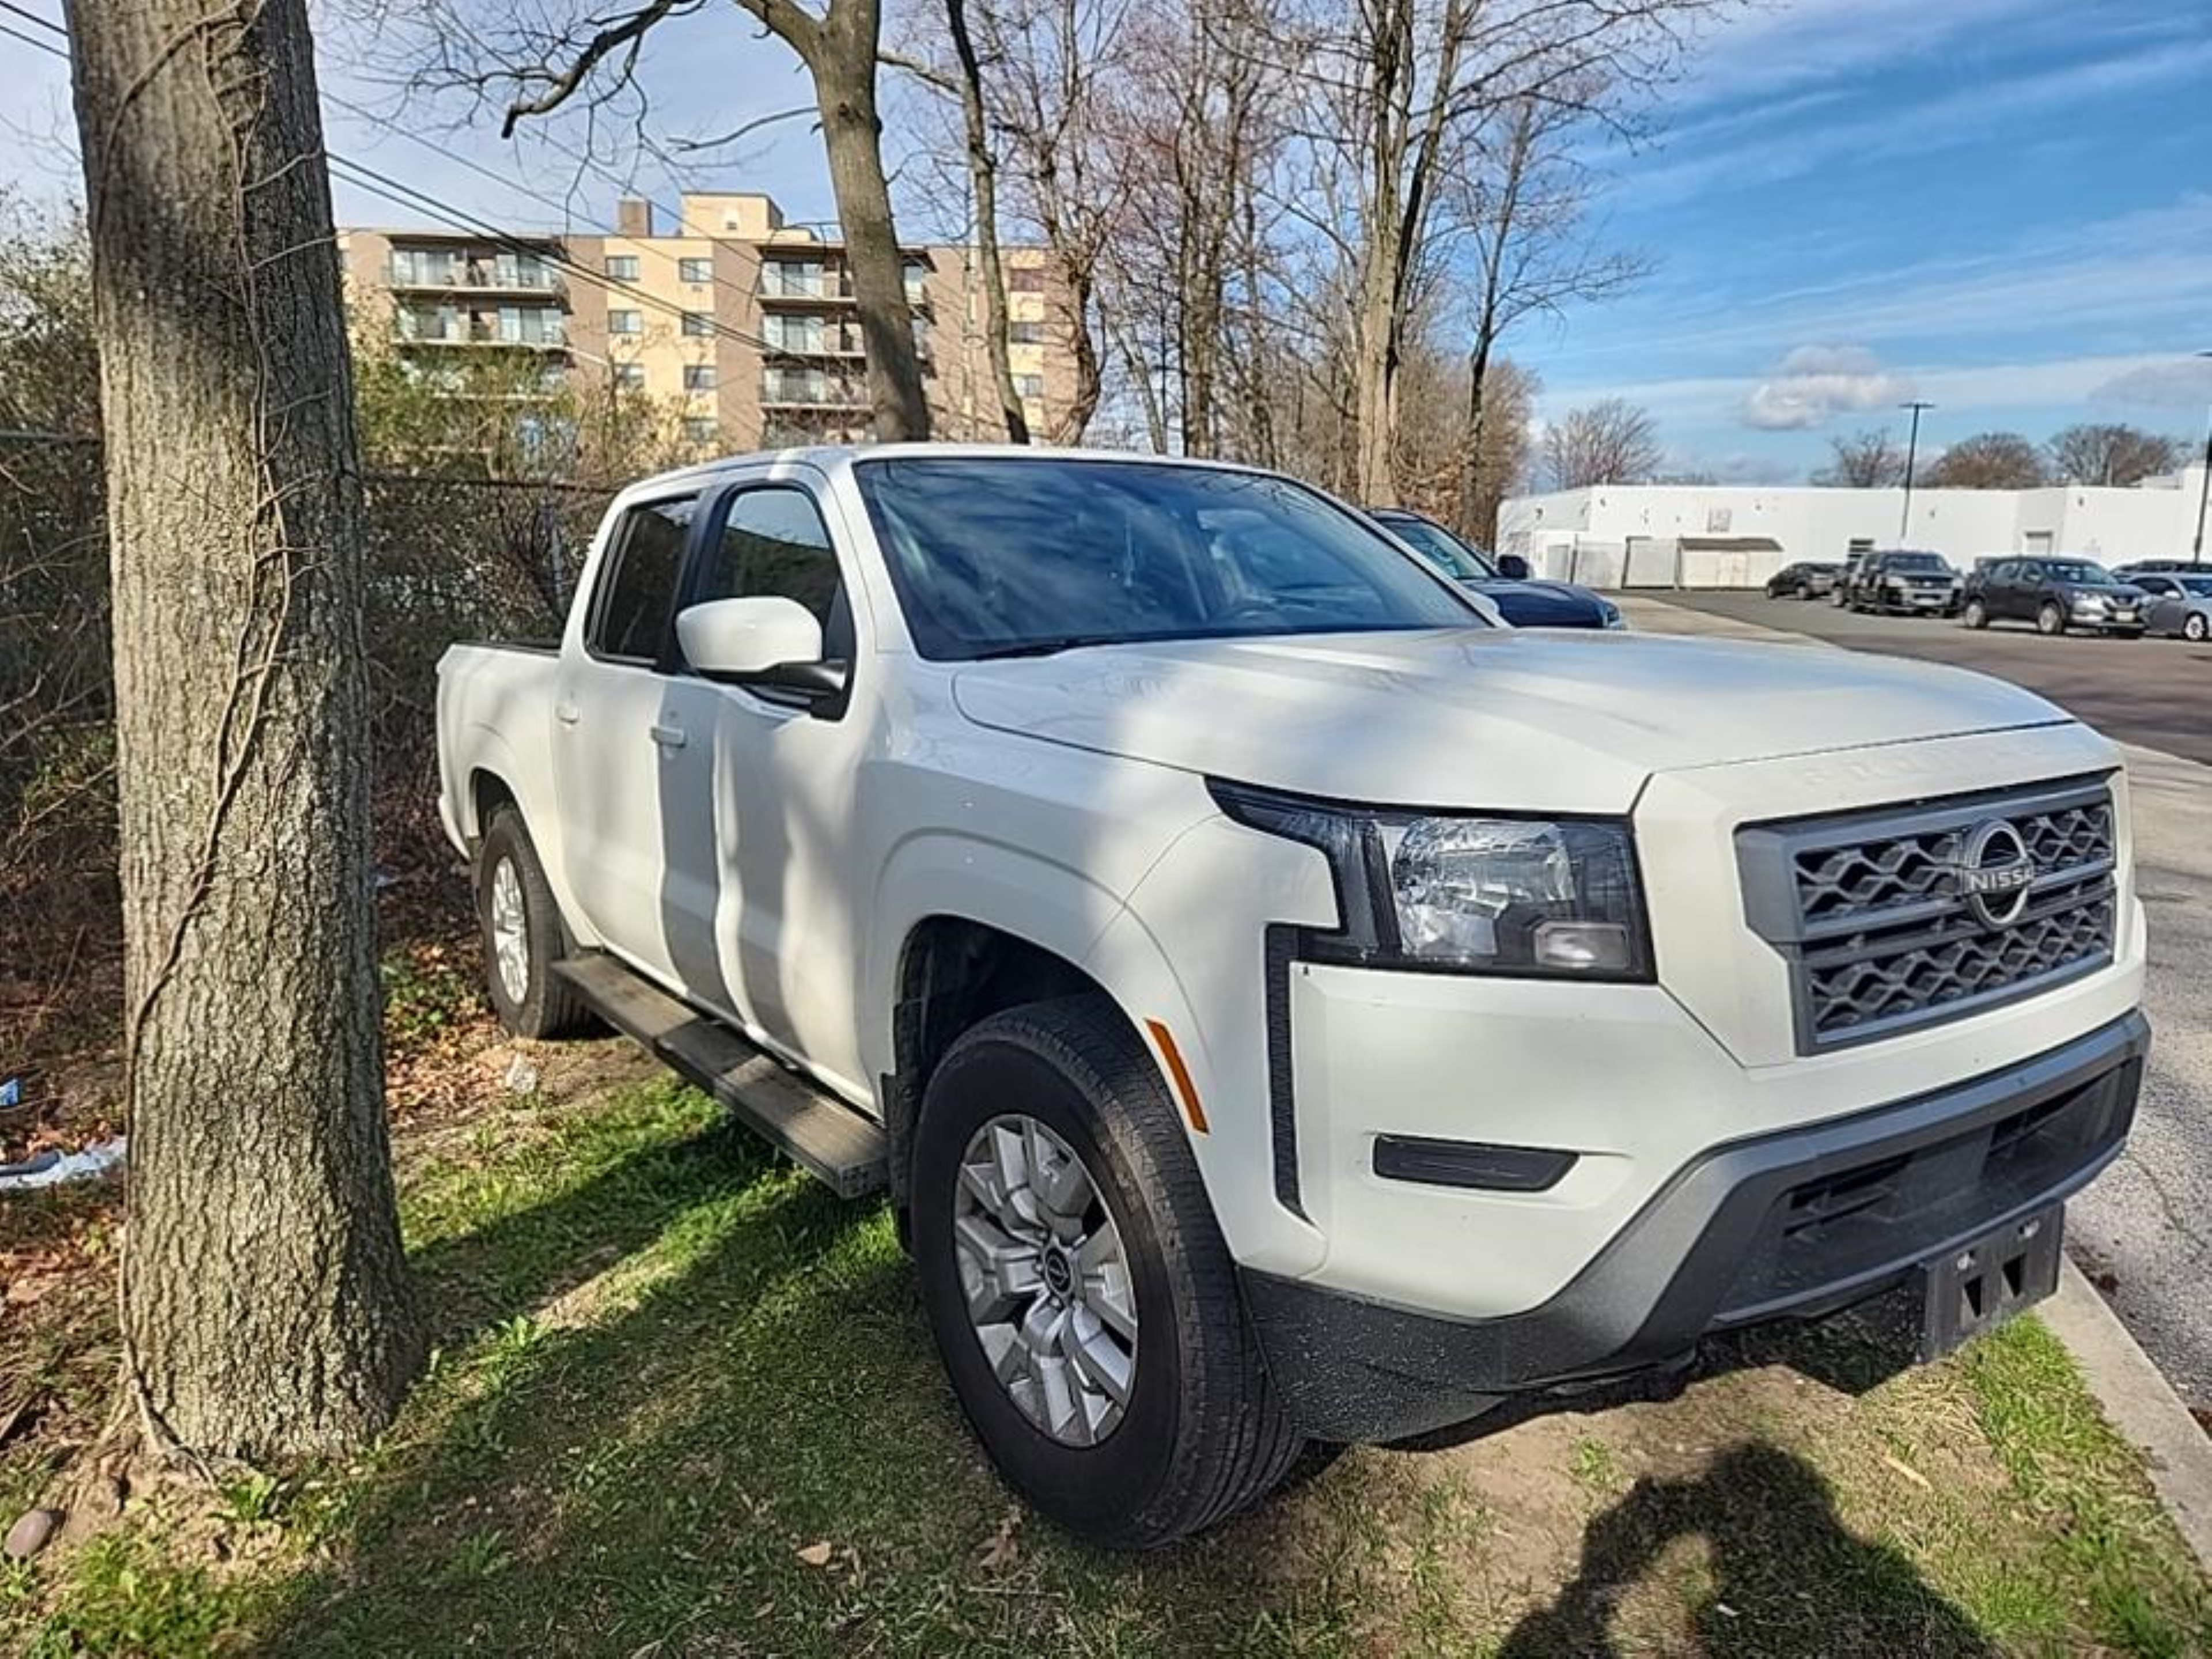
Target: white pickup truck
[1284,1005]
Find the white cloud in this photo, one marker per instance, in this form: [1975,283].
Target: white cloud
[2177,383]
[1815,384]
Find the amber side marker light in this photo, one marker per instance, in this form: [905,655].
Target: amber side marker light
[1179,1073]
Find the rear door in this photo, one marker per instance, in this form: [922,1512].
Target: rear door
[609,739]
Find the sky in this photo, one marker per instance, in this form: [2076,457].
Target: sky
[2004,207]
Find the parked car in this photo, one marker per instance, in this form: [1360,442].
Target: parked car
[2057,594]
[2177,604]
[1906,581]
[1505,581]
[1282,1005]
[1840,594]
[1803,581]
[2135,567]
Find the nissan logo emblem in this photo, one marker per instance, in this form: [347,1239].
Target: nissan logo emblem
[1994,874]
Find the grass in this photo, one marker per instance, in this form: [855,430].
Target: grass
[684,1403]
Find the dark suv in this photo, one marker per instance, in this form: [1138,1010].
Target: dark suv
[2056,594]
[1907,582]
[1505,582]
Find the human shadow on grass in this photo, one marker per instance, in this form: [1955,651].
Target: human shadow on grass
[1786,1578]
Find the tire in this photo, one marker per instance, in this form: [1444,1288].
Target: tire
[1976,614]
[2050,620]
[2195,628]
[1201,1433]
[544,1005]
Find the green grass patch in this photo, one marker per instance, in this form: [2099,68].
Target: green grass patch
[684,1403]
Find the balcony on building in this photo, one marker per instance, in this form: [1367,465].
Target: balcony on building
[821,277]
[811,390]
[446,268]
[541,328]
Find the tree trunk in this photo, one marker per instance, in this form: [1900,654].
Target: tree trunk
[1375,381]
[1473,509]
[983,179]
[265,1309]
[841,55]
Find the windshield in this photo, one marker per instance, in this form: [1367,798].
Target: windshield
[1003,556]
[1917,561]
[1440,548]
[2075,570]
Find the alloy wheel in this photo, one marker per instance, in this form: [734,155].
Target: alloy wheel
[510,932]
[1047,1280]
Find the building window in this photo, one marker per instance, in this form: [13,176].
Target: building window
[1025,331]
[622,267]
[520,271]
[1026,279]
[625,322]
[698,377]
[1029,386]
[630,377]
[792,333]
[699,429]
[529,326]
[421,267]
[696,270]
[794,279]
[698,322]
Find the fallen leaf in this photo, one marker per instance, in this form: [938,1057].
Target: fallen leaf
[1003,1549]
[817,1555]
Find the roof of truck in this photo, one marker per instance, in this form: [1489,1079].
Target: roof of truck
[836,456]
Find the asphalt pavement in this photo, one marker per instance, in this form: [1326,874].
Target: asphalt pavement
[2144,1230]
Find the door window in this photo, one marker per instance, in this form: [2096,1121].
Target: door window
[637,594]
[774,543]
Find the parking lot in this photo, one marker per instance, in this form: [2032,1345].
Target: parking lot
[2149,691]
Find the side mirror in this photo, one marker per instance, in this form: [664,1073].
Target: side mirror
[1513,567]
[769,641]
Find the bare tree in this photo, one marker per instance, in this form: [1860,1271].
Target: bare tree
[1988,460]
[1873,459]
[1611,441]
[265,1309]
[1524,222]
[542,59]
[2112,453]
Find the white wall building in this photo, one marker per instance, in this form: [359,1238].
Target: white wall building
[1723,535]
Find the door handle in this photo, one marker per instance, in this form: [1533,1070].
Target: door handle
[669,737]
[566,713]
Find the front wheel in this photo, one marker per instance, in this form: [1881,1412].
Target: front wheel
[2196,628]
[2050,619]
[1976,614]
[1083,1301]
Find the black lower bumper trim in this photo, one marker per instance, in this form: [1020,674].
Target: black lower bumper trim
[1793,1224]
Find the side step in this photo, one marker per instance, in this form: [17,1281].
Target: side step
[819,1132]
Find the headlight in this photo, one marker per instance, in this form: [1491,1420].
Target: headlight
[1609,614]
[1541,897]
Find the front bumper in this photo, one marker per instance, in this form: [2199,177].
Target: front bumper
[1793,1224]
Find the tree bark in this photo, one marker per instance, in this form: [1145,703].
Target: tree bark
[841,52]
[983,181]
[265,1307]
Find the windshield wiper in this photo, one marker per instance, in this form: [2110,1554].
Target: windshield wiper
[1045,647]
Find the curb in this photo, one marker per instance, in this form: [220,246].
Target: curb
[2140,1402]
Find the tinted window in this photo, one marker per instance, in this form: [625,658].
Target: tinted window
[1443,549]
[1000,556]
[1915,561]
[2075,570]
[638,589]
[2200,585]
[773,543]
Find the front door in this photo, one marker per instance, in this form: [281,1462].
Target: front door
[609,739]
[757,885]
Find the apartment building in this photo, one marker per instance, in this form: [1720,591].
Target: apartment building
[742,323]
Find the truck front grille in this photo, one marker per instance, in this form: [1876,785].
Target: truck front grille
[1875,915]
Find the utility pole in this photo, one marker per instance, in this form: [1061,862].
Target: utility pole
[2203,487]
[1911,452]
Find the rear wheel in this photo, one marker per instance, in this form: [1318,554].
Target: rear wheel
[523,934]
[2050,619]
[1976,614]
[1085,1306]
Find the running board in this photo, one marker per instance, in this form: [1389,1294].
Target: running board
[820,1133]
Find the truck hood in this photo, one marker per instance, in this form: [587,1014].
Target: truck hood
[1563,722]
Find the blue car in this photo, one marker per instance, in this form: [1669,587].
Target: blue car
[1525,602]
